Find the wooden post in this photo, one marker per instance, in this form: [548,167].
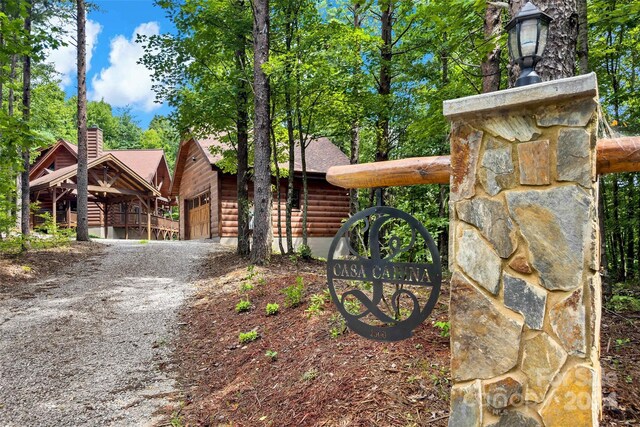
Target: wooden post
[126,221]
[54,214]
[106,219]
[148,219]
[68,214]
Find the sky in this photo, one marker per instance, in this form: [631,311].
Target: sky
[112,72]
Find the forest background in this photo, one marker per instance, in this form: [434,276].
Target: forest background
[370,75]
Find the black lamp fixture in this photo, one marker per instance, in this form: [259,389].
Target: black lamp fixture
[528,33]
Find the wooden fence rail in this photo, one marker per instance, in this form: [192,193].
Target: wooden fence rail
[613,156]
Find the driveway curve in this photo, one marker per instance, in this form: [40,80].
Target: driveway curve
[90,346]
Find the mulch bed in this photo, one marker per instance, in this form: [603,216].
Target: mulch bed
[317,380]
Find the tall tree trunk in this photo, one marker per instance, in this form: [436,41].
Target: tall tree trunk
[630,238]
[82,179]
[560,54]
[242,179]
[602,214]
[26,116]
[288,106]
[11,112]
[303,162]
[354,157]
[276,165]
[583,37]
[383,145]
[617,238]
[492,31]
[262,233]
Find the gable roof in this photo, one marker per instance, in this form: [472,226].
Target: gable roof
[61,175]
[144,162]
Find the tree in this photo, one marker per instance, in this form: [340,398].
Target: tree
[560,54]
[83,177]
[26,112]
[262,234]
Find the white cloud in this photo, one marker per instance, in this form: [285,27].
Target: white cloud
[64,58]
[125,82]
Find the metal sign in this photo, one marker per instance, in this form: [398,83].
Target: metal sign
[390,281]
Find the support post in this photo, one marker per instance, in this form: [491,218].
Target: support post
[525,291]
[54,212]
[126,220]
[106,219]
[148,219]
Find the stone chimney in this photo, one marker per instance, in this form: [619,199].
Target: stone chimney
[94,142]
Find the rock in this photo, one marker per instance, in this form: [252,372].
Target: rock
[574,401]
[577,114]
[526,299]
[501,394]
[556,225]
[533,160]
[568,321]
[497,171]
[541,361]
[466,406]
[479,261]
[485,341]
[574,157]
[492,218]
[515,419]
[521,265]
[465,146]
[512,127]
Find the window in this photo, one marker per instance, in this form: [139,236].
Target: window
[295,200]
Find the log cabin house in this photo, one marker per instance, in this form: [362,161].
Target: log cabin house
[208,197]
[128,190]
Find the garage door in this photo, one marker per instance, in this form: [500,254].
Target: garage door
[199,220]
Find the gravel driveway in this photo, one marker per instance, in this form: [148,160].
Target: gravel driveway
[88,347]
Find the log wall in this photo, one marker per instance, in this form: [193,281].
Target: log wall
[328,207]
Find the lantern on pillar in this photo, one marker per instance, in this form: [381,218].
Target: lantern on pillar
[528,33]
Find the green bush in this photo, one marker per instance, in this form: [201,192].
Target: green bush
[444,328]
[243,305]
[624,303]
[293,293]
[246,337]
[304,252]
[272,309]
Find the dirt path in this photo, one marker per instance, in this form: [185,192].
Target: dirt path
[87,347]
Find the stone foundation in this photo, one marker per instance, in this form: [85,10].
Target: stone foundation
[525,290]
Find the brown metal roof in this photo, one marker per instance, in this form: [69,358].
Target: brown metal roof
[144,162]
[321,154]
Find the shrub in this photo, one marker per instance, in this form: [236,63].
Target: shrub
[273,355]
[246,287]
[624,303]
[316,304]
[243,305]
[444,328]
[304,252]
[293,293]
[272,309]
[246,337]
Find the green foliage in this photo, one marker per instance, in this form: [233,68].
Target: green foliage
[242,306]
[317,303]
[310,375]
[246,287]
[304,252]
[445,328]
[620,303]
[247,337]
[272,309]
[293,294]
[272,355]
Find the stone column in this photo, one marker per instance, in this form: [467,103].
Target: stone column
[525,290]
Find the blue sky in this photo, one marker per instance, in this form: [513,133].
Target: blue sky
[113,74]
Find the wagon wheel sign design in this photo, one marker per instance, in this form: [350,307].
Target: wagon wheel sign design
[390,281]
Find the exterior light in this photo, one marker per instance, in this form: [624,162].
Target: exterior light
[528,33]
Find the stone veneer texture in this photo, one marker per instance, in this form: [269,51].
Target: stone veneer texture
[525,293]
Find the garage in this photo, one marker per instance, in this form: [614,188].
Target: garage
[199,217]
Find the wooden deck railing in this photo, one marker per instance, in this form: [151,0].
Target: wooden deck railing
[140,220]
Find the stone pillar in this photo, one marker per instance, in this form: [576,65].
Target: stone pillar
[525,290]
